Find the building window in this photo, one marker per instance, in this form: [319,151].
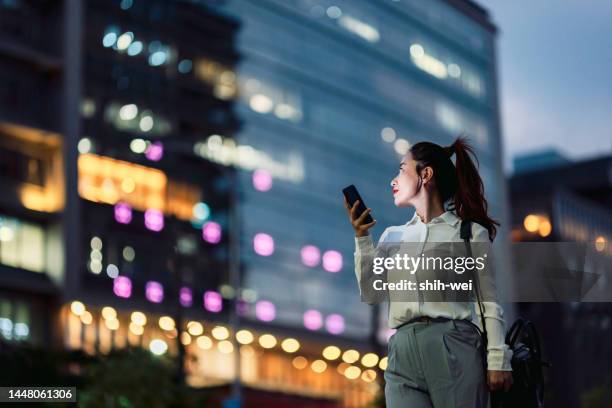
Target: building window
[220,78]
[130,117]
[265,98]
[14,320]
[22,244]
[31,160]
[110,181]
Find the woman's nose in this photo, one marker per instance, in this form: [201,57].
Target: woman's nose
[393,183]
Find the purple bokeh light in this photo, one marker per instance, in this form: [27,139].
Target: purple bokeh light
[332,261]
[334,323]
[155,151]
[122,287]
[262,180]
[154,220]
[211,232]
[263,244]
[242,307]
[311,256]
[213,302]
[185,297]
[123,213]
[265,310]
[154,292]
[313,319]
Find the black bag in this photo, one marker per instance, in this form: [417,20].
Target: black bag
[528,384]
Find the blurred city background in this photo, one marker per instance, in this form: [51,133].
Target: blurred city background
[171,225]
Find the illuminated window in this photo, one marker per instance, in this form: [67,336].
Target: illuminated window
[110,181]
[32,159]
[130,117]
[223,150]
[446,68]
[22,244]
[265,98]
[15,320]
[358,27]
[222,79]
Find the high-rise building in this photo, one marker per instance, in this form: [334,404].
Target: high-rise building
[570,203]
[333,92]
[110,207]
[149,118]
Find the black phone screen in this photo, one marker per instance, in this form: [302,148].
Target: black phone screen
[352,195]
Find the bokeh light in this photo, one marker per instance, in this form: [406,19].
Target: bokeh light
[213,302]
[154,151]
[263,244]
[313,320]
[311,256]
[332,261]
[265,310]
[334,323]
[154,219]
[211,232]
[262,180]
[154,292]
[185,297]
[122,287]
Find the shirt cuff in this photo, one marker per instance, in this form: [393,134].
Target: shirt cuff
[500,359]
[364,243]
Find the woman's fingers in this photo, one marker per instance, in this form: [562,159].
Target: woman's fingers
[358,222]
[368,226]
[354,210]
[363,216]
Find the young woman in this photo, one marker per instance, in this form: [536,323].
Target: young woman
[435,356]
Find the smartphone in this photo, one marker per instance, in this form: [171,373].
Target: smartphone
[352,195]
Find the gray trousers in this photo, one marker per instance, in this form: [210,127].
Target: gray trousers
[436,365]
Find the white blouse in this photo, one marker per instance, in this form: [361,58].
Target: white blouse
[444,228]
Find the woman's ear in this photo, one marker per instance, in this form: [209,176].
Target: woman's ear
[427,175]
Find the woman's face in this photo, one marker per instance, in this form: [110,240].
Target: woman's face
[405,184]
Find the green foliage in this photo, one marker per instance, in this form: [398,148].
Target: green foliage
[128,378]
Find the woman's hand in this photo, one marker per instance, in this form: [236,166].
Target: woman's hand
[499,380]
[358,223]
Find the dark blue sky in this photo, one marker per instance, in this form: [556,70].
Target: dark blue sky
[555,67]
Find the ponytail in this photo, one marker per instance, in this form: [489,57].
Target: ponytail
[459,184]
[469,201]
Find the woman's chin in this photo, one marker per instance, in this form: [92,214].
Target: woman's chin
[400,203]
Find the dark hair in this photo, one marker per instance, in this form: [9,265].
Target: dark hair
[459,184]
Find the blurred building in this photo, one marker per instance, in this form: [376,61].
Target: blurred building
[334,92]
[538,160]
[129,128]
[111,215]
[570,202]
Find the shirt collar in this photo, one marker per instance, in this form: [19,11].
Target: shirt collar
[448,217]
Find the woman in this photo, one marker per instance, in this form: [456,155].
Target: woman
[435,356]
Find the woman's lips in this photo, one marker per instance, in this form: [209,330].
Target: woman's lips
[395,191]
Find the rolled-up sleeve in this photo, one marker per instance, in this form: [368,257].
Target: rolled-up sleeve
[499,355]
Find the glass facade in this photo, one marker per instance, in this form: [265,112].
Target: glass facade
[155,214]
[130,129]
[345,87]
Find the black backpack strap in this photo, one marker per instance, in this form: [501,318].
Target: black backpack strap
[466,234]
[466,231]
